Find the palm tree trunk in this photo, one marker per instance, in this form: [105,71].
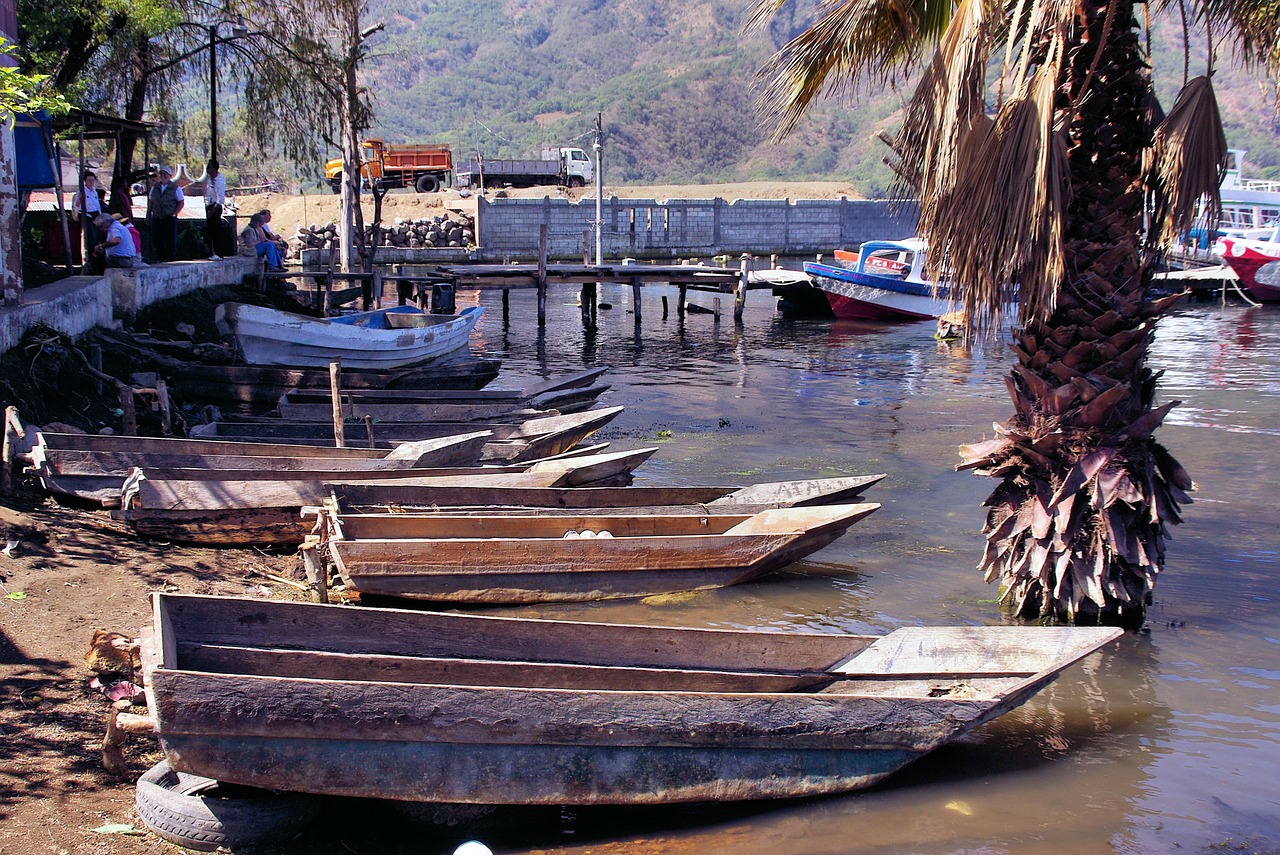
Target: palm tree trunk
[1076,529]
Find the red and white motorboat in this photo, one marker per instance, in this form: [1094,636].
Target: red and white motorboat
[883,281]
[1255,262]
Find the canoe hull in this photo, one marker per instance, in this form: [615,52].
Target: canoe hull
[269,337]
[440,707]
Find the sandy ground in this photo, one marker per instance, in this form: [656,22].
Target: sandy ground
[289,212]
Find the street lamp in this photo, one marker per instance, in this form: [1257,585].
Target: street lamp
[238,30]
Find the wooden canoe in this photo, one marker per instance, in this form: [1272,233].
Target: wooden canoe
[314,406]
[462,708]
[270,337]
[96,471]
[566,557]
[541,436]
[202,513]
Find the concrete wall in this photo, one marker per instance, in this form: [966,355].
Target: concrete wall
[136,289]
[73,306]
[648,228]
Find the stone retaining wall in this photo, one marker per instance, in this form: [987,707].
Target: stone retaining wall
[653,229]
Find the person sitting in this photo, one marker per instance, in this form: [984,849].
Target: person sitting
[271,235]
[132,230]
[118,248]
[255,241]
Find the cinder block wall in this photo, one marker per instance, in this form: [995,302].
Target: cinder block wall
[507,229]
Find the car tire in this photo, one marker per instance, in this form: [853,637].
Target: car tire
[203,814]
[427,184]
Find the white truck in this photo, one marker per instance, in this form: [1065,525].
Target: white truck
[562,165]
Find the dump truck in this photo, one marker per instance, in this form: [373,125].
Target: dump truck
[565,166]
[426,168]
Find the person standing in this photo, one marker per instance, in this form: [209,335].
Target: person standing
[215,196]
[85,207]
[164,203]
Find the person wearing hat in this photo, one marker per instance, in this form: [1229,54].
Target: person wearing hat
[133,231]
[215,196]
[164,203]
[118,248]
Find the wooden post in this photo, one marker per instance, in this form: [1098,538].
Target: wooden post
[586,247]
[368,430]
[12,429]
[681,299]
[664,307]
[166,414]
[377,288]
[543,235]
[129,415]
[635,297]
[740,293]
[589,303]
[715,308]
[317,574]
[773,262]
[262,273]
[325,304]
[335,375]
[506,307]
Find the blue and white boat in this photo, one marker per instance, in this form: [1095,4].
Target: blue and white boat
[387,338]
[884,280]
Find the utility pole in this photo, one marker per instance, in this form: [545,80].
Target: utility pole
[598,148]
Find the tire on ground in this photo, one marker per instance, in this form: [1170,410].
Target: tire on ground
[203,814]
[427,184]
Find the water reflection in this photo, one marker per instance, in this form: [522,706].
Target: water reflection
[1165,743]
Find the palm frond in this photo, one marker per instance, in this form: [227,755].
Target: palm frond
[852,41]
[1185,163]
[1002,225]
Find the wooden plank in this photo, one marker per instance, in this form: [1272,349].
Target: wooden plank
[460,671]
[985,650]
[220,620]
[133,444]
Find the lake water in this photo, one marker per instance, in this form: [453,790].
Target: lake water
[1168,741]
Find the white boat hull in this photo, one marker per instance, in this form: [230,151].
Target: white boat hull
[269,337]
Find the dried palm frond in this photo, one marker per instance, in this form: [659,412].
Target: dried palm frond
[1185,164]
[1001,228]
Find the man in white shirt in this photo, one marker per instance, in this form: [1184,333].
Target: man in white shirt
[86,206]
[215,196]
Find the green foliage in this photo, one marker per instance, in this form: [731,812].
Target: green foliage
[21,92]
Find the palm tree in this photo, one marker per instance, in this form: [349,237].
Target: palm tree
[1039,160]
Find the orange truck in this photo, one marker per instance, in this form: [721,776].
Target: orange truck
[425,168]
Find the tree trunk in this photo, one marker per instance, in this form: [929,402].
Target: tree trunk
[1076,529]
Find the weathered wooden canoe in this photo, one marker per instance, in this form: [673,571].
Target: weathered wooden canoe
[95,470]
[198,512]
[541,436]
[316,406]
[570,557]
[257,388]
[269,337]
[437,707]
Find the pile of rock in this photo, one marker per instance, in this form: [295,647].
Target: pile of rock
[453,229]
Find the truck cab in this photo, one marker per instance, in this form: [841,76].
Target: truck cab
[575,164]
[426,167]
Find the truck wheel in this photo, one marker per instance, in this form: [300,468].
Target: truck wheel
[427,184]
[335,184]
[203,814]
[577,181]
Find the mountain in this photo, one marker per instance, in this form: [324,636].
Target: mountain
[674,83]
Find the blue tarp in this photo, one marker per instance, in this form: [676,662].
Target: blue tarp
[33,144]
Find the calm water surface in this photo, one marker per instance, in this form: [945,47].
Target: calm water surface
[1169,741]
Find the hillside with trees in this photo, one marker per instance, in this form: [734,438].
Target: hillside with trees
[673,81]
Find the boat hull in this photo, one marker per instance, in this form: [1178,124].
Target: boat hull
[861,296]
[440,707]
[1256,263]
[269,337]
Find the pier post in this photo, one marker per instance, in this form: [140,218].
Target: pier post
[740,295]
[588,300]
[635,297]
[542,274]
[335,392]
[680,300]
[506,307]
